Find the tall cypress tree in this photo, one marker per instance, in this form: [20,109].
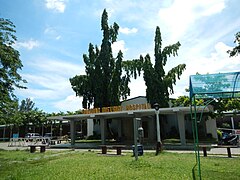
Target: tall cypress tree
[159,84]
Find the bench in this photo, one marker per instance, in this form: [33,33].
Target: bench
[117,147]
[33,148]
[204,148]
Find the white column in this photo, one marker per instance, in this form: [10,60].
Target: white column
[158,127]
[211,127]
[103,131]
[181,127]
[232,123]
[90,127]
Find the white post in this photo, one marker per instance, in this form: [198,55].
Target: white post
[159,143]
[232,123]
[90,127]
[181,128]
[158,127]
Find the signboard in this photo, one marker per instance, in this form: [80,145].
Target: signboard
[117,108]
[237,132]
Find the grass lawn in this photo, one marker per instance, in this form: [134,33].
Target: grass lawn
[92,165]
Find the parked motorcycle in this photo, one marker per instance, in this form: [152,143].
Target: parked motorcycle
[228,139]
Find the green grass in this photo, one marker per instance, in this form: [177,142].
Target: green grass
[92,165]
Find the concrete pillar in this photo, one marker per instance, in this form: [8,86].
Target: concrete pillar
[90,127]
[103,130]
[181,126]
[73,132]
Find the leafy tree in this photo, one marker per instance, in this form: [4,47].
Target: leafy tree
[10,63]
[26,105]
[228,104]
[182,101]
[103,84]
[159,84]
[29,115]
[236,50]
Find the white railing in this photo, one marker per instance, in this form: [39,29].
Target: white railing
[21,142]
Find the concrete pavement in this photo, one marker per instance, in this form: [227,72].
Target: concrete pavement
[87,147]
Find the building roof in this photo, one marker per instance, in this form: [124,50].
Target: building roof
[129,114]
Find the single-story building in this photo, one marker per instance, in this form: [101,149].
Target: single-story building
[118,121]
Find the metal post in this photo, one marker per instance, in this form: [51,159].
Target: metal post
[196,142]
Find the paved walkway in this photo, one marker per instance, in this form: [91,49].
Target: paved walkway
[87,147]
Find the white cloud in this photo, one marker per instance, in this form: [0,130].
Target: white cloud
[70,103]
[52,33]
[56,66]
[58,37]
[137,87]
[50,80]
[56,5]
[180,16]
[30,44]
[117,46]
[38,94]
[217,62]
[49,30]
[127,30]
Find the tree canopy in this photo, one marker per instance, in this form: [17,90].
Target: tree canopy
[10,63]
[159,84]
[104,83]
[236,50]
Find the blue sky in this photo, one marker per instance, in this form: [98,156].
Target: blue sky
[54,34]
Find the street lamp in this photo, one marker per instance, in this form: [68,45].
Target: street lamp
[159,143]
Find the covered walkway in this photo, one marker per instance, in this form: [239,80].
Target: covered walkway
[126,115]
